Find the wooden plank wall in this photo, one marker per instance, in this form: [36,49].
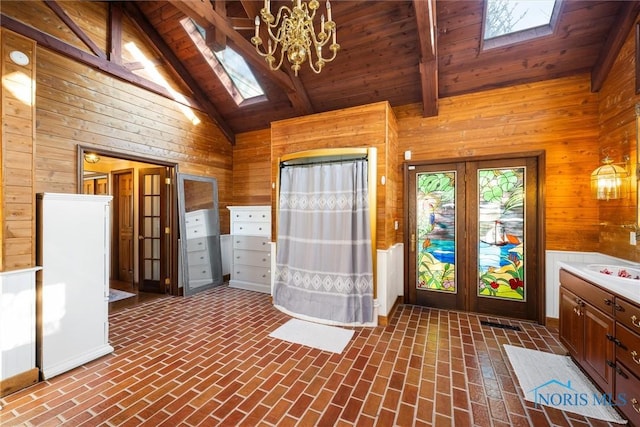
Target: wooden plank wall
[78,105]
[366,126]
[252,168]
[558,116]
[17,212]
[618,131]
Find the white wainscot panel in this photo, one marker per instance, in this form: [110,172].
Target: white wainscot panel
[390,277]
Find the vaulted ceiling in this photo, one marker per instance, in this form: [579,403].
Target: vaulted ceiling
[402,51]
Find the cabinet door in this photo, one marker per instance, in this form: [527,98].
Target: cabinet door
[628,395]
[571,323]
[598,350]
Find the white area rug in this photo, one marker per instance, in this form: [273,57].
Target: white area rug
[322,337]
[554,380]
[117,295]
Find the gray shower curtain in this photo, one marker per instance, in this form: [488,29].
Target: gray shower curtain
[324,267]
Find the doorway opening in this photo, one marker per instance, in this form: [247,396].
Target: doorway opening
[144,227]
[475,231]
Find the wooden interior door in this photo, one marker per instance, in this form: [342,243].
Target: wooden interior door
[502,243]
[473,237]
[153,230]
[123,243]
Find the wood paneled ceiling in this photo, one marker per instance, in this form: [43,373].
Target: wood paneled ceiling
[386,54]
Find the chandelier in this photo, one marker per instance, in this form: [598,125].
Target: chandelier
[292,34]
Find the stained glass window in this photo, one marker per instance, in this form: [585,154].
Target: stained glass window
[501,237]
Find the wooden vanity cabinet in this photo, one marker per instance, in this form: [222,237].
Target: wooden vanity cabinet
[601,331]
[587,328]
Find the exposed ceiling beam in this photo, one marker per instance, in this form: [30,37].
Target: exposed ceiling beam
[217,39]
[619,32]
[204,15]
[83,57]
[241,24]
[427,38]
[153,37]
[115,33]
[55,7]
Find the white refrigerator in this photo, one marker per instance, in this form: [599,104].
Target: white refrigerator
[73,286]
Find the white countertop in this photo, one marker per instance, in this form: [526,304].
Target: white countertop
[627,288]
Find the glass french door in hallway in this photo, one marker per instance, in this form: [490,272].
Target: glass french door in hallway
[153,230]
[473,236]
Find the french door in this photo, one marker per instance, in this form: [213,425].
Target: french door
[123,225]
[473,237]
[154,230]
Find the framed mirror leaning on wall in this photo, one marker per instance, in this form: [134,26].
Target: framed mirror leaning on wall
[198,215]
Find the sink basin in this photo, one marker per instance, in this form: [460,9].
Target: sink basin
[617,271]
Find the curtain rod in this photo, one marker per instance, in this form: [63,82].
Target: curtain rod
[308,161]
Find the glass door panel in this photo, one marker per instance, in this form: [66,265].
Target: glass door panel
[436,231]
[501,225]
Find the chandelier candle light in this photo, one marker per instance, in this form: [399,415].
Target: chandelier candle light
[295,35]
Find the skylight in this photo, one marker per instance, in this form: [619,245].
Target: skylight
[512,21]
[231,68]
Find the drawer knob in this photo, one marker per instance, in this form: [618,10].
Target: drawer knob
[607,301]
[634,356]
[635,322]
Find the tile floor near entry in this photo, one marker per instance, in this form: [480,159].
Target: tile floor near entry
[207,360]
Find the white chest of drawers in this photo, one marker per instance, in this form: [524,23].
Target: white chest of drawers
[202,242]
[251,248]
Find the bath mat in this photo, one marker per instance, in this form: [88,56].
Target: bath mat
[554,380]
[117,295]
[322,337]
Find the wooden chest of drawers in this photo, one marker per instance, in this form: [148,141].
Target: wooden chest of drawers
[251,248]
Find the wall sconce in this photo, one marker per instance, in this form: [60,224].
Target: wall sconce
[91,158]
[609,181]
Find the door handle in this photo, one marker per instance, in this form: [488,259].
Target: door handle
[413,242]
[140,237]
